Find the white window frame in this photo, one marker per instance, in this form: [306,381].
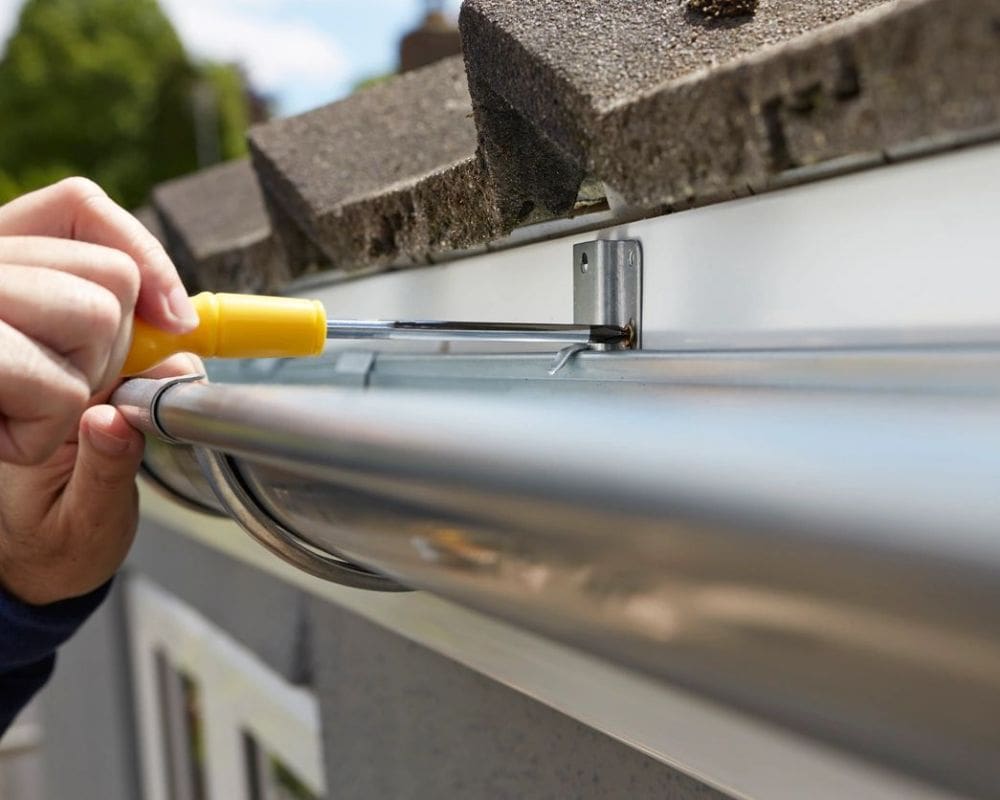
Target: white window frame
[239,694]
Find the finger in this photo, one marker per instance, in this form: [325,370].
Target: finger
[100,498]
[114,270]
[77,208]
[41,398]
[175,366]
[76,318]
[108,443]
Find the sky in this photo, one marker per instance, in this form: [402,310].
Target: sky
[302,53]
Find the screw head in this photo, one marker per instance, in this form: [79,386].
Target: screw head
[584,263]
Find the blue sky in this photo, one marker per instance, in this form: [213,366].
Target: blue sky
[302,52]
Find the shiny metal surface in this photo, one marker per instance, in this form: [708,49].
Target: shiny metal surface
[182,472]
[515,332]
[607,287]
[825,560]
[138,400]
[939,372]
[174,472]
[243,507]
[564,356]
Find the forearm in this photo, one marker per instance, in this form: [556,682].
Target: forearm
[29,637]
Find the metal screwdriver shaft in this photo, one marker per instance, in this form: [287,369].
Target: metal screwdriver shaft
[476,331]
[247,326]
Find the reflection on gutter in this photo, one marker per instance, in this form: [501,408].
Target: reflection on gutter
[779,614]
[446,545]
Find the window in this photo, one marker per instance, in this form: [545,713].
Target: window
[269,777]
[215,722]
[181,730]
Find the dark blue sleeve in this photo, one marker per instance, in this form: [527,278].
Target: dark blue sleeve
[29,636]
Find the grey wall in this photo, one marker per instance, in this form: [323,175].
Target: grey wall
[399,720]
[89,749]
[265,614]
[21,767]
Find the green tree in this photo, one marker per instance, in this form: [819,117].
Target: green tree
[103,88]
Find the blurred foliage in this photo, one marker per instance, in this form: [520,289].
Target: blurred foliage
[230,90]
[103,88]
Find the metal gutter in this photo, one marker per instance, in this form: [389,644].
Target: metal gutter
[740,755]
[794,541]
[825,560]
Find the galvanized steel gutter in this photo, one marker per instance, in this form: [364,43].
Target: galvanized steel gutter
[825,558]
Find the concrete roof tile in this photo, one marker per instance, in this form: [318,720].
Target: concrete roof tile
[669,104]
[217,231]
[387,174]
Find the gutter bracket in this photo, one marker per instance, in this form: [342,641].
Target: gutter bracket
[607,287]
[354,368]
[564,356]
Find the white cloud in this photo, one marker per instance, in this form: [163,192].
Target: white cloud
[8,17]
[275,51]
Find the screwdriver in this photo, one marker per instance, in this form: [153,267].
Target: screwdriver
[252,326]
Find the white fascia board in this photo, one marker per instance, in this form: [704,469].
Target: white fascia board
[903,254]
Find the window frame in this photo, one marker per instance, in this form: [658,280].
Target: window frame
[239,695]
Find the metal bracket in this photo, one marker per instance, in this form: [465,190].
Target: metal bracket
[353,368]
[607,287]
[564,356]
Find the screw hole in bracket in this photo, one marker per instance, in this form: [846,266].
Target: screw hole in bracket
[607,288]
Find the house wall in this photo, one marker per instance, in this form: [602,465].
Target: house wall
[89,748]
[21,757]
[398,720]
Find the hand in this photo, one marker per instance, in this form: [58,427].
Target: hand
[74,267]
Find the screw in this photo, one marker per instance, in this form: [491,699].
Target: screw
[584,263]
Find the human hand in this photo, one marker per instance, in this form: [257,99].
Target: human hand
[74,267]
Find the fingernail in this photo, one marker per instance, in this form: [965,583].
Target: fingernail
[181,308]
[106,442]
[194,365]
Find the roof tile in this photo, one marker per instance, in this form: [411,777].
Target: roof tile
[217,231]
[388,174]
[669,105]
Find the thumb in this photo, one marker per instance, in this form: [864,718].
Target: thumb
[102,488]
[95,515]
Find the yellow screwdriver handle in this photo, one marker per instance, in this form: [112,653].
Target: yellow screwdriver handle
[235,326]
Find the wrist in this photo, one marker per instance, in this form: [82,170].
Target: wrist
[38,587]
[34,632]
